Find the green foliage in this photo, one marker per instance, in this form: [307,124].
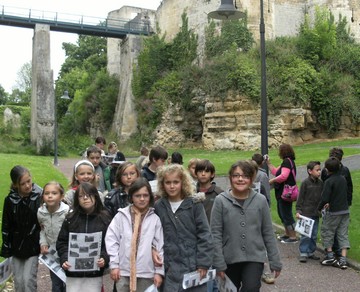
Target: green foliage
[231,71]
[93,91]
[154,83]
[231,31]
[3,95]
[184,45]
[317,42]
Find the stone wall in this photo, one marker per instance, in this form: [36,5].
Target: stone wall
[236,124]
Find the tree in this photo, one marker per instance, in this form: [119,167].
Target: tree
[3,95]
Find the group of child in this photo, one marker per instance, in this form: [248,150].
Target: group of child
[145,243]
[327,192]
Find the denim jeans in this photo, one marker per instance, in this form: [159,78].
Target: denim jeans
[307,245]
[212,286]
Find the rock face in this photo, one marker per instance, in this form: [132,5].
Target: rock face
[11,119]
[236,122]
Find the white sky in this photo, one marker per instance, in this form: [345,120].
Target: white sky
[16,43]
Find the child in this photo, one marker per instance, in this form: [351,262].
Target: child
[157,158]
[306,205]
[335,200]
[143,158]
[88,216]
[102,171]
[113,152]
[187,235]
[191,168]
[261,176]
[20,228]
[132,234]
[176,157]
[84,171]
[118,197]
[205,174]
[242,230]
[51,216]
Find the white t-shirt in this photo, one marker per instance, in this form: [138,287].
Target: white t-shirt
[175,205]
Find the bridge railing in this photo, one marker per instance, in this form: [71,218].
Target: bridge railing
[32,15]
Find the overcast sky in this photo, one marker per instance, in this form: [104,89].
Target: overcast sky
[16,43]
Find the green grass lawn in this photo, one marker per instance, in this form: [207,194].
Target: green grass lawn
[43,171]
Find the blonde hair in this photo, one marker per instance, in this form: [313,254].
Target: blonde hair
[193,161]
[187,187]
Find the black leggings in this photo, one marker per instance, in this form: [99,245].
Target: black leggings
[246,275]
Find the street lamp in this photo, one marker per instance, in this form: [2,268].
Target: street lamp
[227,11]
[56,161]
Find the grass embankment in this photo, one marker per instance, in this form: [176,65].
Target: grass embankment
[42,171]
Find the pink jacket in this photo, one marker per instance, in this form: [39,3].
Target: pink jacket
[118,241]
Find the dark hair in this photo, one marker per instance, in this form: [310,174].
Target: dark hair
[176,157]
[99,140]
[337,153]
[144,151]
[158,152]
[93,149]
[246,166]
[258,158]
[332,164]
[121,170]
[286,151]
[137,185]
[312,164]
[16,173]
[206,165]
[90,190]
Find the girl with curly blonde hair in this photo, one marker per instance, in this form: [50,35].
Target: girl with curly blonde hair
[189,244]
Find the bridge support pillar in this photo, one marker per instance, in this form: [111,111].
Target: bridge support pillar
[42,96]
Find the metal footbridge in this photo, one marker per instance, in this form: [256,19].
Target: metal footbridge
[86,25]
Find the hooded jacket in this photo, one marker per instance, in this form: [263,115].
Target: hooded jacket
[83,223]
[50,223]
[188,244]
[20,227]
[118,243]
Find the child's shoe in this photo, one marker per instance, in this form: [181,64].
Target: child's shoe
[329,259]
[341,263]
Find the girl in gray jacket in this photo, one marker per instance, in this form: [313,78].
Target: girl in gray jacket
[242,231]
[188,244]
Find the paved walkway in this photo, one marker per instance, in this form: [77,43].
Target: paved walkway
[295,276]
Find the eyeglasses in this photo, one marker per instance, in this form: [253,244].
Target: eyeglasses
[84,196]
[237,176]
[126,174]
[139,196]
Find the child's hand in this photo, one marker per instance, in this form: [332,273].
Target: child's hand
[221,275]
[101,262]
[202,273]
[156,258]
[115,274]
[158,280]
[297,215]
[44,249]
[276,273]
[66,265]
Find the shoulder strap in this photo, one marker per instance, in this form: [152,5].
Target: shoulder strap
[292,169]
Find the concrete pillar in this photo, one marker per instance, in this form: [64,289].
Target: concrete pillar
[42,96]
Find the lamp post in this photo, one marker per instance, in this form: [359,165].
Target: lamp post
[56,161]
[227,11]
